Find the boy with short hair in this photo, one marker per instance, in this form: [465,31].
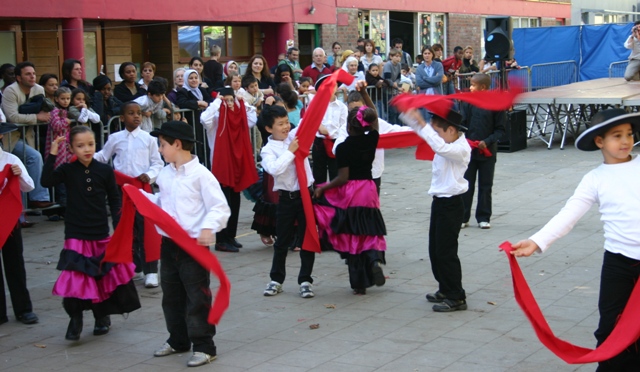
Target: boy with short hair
[277,160]
[252,95]
[391,71]
[153,105]
[487,127]
[191,194]
[136,155]
[613,185]
[453,152]
[407,77]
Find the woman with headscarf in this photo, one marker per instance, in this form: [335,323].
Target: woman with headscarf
[194,97]
[229,67]
[350,65]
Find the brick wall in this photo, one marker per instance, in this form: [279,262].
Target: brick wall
[464,30]
[346,35]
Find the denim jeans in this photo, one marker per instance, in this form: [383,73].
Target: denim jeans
[33,162]
[186,300]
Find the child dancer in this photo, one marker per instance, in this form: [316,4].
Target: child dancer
[353,192]
[192,195]
[136,155]
[84,283]
[277,160]
[453,152]
[613,185]
[12,248]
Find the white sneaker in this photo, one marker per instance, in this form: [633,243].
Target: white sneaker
[151,280]
[273,288]
[165,350]
[464,225]
[306,290]
[198,358]
[484,225]
[138,276]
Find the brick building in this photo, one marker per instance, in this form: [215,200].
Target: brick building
[104,34]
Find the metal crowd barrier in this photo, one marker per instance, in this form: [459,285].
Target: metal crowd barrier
[617,69]
[521,76]
[380,98]
[546,75]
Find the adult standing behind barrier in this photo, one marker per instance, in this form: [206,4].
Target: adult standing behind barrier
[72,76]
[633,43]
[317,67]
[128,89]
[194,97]
[259,68]
[104,103]
[8,77]
[178,83]
[429,74]
[15,95]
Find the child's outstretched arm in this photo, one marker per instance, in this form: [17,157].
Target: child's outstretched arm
[524,248]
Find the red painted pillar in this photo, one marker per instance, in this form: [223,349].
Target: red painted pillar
[73,40]
[285,32]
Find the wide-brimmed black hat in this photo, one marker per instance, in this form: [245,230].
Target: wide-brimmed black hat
[452,117]
[175,129]
[7,127]
[226,91]
[321,80]
[602,122]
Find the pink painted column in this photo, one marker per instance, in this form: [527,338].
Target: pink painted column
[285,32]
[73,39]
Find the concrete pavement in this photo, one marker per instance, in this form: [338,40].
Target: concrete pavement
[392,328]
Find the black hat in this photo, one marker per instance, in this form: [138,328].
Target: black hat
[602,122]
[452,117]
[175,129]
[226,91]
[101,81]
[7,127]
[321,79]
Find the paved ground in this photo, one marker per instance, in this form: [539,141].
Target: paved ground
[392,328]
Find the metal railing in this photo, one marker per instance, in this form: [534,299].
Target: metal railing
[520,77]
[617,69]
[546,75]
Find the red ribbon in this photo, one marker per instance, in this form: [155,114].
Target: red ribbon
[306,135]
[474,145]
[626,332]
[407,139]
[151,236]
[119,248]
[11,202]
[493,100]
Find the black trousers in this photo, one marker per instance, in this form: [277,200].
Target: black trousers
[322,162]
[16,276]
[446,219]
[139,257]
[287,213]
[484,169]
[186,299]
[617,280]
[227,234]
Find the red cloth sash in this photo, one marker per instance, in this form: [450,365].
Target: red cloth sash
[119,248]
[626,332]
[11,203]
[233,163]
[151,236]
[474,145]
[406,139]
[306,135]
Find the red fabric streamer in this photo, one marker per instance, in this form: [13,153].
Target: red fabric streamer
[407,139]
[474,145]
[626,332]
[328,147]
[151,236]
[234,165]
[493,100]
[119,248]
[306,134]
[11,202]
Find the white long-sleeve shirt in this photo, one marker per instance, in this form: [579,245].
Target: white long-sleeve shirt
[377,167]
[615,188]
[209,119]
[26,182]
[633,44]
[136,153]
[334,118]
[277,160]
[191,195]
[450,162]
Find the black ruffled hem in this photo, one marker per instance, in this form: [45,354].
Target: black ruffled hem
[358,221]
[360,275]
[122,301]
[91,266]
[264,218]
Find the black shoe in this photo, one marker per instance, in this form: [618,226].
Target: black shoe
[436,297]
[226,247]
[378,275]
[74,329]
[28,318]
[102,326]
[448,305]
[236,243]
[359,291]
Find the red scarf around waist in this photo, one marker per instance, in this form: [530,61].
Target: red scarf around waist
[10,201]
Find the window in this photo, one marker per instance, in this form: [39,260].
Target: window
[373,24]
[196,41]
[432,29]
[525,22]
[8,50]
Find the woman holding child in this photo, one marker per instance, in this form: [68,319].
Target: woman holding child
[259,68]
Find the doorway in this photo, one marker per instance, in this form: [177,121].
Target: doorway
[307,42]
[401,25]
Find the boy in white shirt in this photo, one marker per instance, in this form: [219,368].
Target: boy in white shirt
[136,155]
[152,105]
[334,118]
[12,248]
[277,160]
[613,185]
[192,196]
[448,184]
